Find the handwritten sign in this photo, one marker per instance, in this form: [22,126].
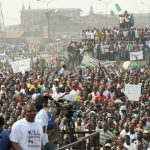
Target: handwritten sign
[133,92]
[21,66]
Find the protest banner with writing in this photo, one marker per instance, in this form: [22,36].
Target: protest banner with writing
[21,66]
[136,55]
[90,61]
[133,91]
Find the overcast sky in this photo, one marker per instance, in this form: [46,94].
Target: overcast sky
[11,8]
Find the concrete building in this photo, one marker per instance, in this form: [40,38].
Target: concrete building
[55,23]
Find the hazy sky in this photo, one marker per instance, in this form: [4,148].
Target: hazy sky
[11,8]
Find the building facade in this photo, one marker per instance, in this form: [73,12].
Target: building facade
[54,23]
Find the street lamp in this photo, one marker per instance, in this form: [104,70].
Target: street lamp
[47,14]
[46,2]
[148,6]
[106,8]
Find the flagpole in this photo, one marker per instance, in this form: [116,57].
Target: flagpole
[106,6]
[106,9]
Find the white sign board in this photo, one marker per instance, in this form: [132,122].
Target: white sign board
[136,55]
[133,91]
[21,66]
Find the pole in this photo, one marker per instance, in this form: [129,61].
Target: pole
[106,15]
[47,15]
[48,22]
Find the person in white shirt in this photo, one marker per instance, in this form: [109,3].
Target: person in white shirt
[57,95]
[42,116]
[27,134]
[63,70]
[124,132]
[75,92]
[67,96]
[127,144]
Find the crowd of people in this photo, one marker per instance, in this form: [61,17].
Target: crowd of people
[110,44]
[126,20]
[97,98]
[40,106]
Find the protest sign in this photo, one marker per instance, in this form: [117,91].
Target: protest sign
[133,91]
[136,55]
[90,61]
[126,64]
[21,66]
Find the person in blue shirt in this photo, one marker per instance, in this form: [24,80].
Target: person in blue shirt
[4,136]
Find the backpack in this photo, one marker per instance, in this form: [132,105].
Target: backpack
[51,121]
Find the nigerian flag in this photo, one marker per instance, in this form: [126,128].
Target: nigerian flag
[118,7]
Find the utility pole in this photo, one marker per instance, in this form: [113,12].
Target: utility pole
[2,26]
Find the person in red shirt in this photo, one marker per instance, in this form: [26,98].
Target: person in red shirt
[100,97]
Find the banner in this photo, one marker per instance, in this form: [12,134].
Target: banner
[90,61]
[133,91]
[21,66]
[136,55]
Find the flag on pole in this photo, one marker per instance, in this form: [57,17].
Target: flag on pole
[112,13]
[118,7]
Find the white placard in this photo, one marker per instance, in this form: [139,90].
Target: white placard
[133,91]
[21,66]
[136,55]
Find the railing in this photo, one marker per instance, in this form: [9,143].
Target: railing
[85,143]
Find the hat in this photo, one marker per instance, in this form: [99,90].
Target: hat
[56,80]
[123,108]
[118,101]
[2,86]
[107,145]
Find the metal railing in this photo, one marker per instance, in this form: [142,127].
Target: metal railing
[85,143]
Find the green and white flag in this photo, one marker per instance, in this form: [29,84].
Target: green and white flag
[90,61]
[118,7]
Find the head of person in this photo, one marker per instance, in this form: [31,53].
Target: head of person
[139,136]
[127,139]
[64,66]
[30,112]
[105,126]
[67,90]
[57,89]
[56,82]
[75,86]
[126,128]
[2,87]
[39,101]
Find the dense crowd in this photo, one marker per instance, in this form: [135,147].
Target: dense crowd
[97,98]
[110,43]
[65,97]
